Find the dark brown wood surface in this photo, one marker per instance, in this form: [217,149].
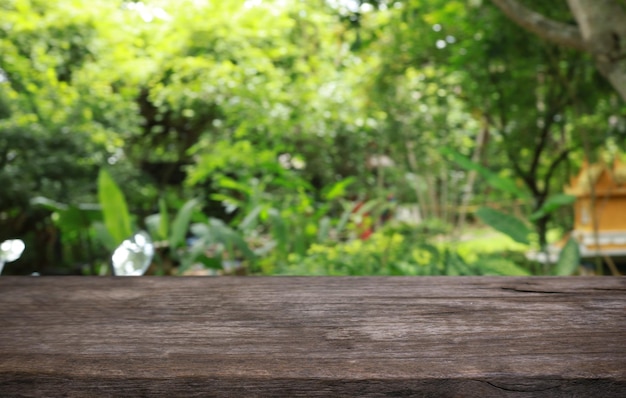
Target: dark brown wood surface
[379,337]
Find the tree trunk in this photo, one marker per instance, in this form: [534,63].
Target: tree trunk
[542,233]
[600,31]
[603,27]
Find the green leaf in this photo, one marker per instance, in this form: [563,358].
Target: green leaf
[229,183]
[370,208]
[227,199]
[181,224]
[345,217]
[48,203]
[505,223]
[250,220]
[229,237]
[455,265]
[210,262]
[201,231]
[164,221]
[323,231]
[569,259]
[279,231]
[551,204]
[495,266]
[197,254]
[114,209]
[77,219]
[152,223]
[496,181]
[338,189]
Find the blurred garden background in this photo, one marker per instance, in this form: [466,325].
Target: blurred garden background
[301,137]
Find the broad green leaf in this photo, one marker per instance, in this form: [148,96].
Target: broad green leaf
[201,230]
[227,199]
[457,266]
[367,208]
[279,231]
[494,266]
[181,223]
[345,217]
[569,259]
[496,181]
[250,220]
[114,209]
[197,253]
[229,237]
[210,262]
[292,183]
[229,183]
[551,204]
[164,221]
[505,223]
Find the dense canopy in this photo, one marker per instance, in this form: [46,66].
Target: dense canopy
[293,137]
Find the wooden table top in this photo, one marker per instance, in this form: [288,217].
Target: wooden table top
[313,336]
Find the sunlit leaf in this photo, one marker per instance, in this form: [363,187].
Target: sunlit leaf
[181,223]
[114,208]
[338,189]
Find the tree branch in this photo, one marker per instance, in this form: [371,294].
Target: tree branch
[543,140]
[548,29]
[548,176]
[530,182]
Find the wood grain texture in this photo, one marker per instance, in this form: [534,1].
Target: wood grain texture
[291,336]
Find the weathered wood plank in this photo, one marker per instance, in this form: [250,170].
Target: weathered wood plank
[448,337]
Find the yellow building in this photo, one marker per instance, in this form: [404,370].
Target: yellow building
[600,206]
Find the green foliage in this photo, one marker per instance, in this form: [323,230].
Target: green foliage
[551,204]
[297,127]
[394,254]
[180,224]
[338,189]
[499,266]
[569,259]
[215,244]
[114,209]
[75,224]
[505,223]
[163,226]
[494,180]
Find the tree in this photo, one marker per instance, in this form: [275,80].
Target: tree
[600,31]
[270,103]
[524,91]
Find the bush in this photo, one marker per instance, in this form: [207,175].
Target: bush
[394,254]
